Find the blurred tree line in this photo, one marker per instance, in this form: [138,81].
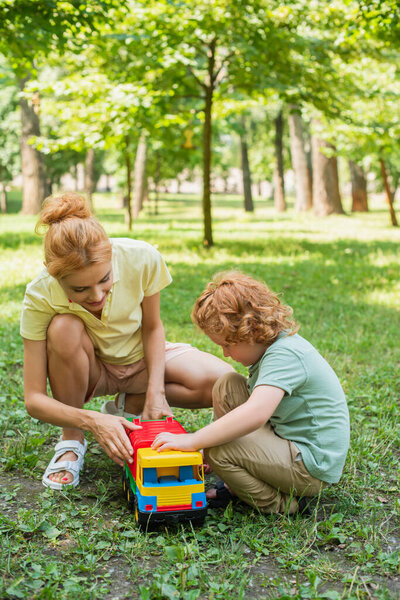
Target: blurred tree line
[159,89]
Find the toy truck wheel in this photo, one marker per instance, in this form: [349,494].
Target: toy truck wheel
[143,521]
[131,497]
[124,482]
[198,521]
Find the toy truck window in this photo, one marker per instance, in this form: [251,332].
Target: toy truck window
[187,474]
[161,476]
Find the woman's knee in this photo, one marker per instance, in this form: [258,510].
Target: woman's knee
[64,335]
[197,372]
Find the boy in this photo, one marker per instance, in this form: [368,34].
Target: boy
[283,432]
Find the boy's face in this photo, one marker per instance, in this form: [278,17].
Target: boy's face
[247,353]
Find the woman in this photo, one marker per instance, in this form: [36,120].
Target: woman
[91,325]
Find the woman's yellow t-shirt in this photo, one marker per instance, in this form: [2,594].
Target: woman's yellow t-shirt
[138,271]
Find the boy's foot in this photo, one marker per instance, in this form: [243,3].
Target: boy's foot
[304,506]
[220,496]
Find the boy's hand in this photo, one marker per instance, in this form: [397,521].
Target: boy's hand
[174,441]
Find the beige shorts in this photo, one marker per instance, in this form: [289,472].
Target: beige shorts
[132,378]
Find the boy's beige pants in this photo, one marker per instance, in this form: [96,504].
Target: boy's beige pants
[261,468]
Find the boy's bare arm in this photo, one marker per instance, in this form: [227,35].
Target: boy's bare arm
[240,421]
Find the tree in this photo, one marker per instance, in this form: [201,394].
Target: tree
[246,174]
[279,180]
[358,188]
[204,51]
[326,193]
[139,177]
[388,192]
[303,184]
[369,129]
[29,32]
[33,173]
[9,134]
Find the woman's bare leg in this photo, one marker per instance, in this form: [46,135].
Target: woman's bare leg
[189,380]
[73,371]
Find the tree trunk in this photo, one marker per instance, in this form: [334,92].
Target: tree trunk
[279,183]
[207,137]
[128,166]
[157,176]
[246,175]
[139,177]
[32,164]
[358,188]
[75,175]
[90,180]
[308,150]
[326,194]
[395,182]
[3,198]
[299,161]
[388,191]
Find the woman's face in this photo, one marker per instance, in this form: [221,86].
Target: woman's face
[89,286]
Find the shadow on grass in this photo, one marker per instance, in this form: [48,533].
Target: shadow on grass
[16,240]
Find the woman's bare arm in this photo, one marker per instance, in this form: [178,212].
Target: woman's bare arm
[108,430]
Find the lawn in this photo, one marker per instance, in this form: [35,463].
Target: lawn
[341,276]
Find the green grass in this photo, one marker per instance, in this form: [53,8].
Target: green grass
[341,276]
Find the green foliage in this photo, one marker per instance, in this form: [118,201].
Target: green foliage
[9,127]
[30,29]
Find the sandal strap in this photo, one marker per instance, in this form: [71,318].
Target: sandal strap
[70,446]
[72,466]
[121,401]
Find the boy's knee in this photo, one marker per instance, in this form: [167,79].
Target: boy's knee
[218,456]
[227,382]
[211,456]
[225,389]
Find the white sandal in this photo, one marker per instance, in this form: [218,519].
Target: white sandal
[117,410]
[72,466]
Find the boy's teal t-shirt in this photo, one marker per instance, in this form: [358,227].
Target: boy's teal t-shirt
[313,412]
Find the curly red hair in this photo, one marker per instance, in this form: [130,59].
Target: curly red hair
[241,309]
[74,239]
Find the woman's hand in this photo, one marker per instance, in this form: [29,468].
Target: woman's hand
[110,432]
[156,407]
[175,441]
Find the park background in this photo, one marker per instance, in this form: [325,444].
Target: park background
[256,135]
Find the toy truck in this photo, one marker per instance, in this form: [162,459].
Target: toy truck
[163,487]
